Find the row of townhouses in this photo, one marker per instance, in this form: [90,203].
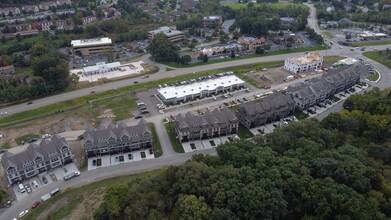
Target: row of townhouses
[36,159]
[269,109]
[117,139]
[34,8]
[215,123]
[318,89]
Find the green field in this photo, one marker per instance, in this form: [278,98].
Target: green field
[274,5]
[277,52]
[157,147]
[380,57]
[120,106]
[174,142]
[371,43]
[331,59]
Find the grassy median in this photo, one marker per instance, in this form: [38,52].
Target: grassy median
[174,142]
[157,147]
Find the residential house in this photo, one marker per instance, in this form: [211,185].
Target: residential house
[188,6]
[38,16]
[66,11]
[45,25]
[386,6]
[251,43]
[47,5]
[212,21]
[271,108]
[318,89]
[16,19]
[30,8]
[344,22]
[7,70]
[117,139]
[88,20]
[27,33]
[36,159]
[64,24]
[63,2]
[10,11]
[211,124]
[287,22]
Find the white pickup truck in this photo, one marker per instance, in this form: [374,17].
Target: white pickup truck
[71,175]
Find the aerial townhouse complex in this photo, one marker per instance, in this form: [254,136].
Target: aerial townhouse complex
[94,46]
[171,34]
[269,109]
[318,89]
[215,123]
[117,139]
[36,159]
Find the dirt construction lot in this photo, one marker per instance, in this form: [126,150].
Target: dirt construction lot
[269,77]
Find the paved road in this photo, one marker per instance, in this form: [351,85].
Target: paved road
[169,157]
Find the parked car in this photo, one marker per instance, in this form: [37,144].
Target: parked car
[93,91]
[226,104]
[33,140]
[23,213]
[245,99]
[138,116]
[29,103]
[44,180]
[145,112]
[2,151]
[36,204]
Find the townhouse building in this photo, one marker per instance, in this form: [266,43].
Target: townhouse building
[318,89]
[36,159]
[269,109]
[7,70]
[117,139]
[215,123]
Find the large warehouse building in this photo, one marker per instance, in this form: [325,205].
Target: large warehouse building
[184,93]
[94,46]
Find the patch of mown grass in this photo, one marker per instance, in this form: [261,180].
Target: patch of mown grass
[25,138]
[120,106]
[373,77]
[379,56]
[5,146]
[371,43]
[174,142]
[332,59]
[157,147]
[328,35]
[300,115]
[74,196]
[244,133]
[276,52]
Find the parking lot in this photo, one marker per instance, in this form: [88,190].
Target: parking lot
[43,180]
[204,144]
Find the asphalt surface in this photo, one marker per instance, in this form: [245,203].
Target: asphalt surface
[169,157]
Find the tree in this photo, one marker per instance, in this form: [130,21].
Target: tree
[232,54]
[192,208]
[39,49]
[289,44]
[224,38]
[186,59]
[74,79]
[205,58]
[259,50]
[162,49]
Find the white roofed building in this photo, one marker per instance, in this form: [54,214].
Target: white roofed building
[312,61]
[102,67]
[201,89]
[171,34]
[94,46]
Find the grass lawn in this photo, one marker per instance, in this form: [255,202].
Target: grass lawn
[174,142]
[157,148]
[26,138]
[373,77]
[380,57]
[5,146]
[300,115]
[75,196]
[277,52]
[274,5]
[244,133]
[328,35]
[371,43]
[121,106]
[78,102]
[331,59]
[28,71]
[9,43]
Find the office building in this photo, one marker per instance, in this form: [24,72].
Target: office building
[311,61]
[171,34]
[95,46]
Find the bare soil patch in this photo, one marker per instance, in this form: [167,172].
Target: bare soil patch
[269,77]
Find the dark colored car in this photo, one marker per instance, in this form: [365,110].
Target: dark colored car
[29,103]
[33,140]
[93,91]
[2,151]
[44,180]
[135,82]
[145,112]
[36,204]
[138,116]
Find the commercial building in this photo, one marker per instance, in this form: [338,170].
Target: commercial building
[312,61]
[271,108]
[94,46]
[103,67]
[7,70]
[318,89]
[36,159]
[215,123]
[251,43]
[117,139]
[287,22]
[212,21]
[183,93]
[367,35]
[171,34]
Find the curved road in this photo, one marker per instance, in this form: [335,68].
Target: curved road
[169,158]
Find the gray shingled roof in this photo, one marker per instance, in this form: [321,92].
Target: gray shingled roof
[102,134]
[267,104]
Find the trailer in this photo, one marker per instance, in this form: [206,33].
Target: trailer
[69,176]
[45,197]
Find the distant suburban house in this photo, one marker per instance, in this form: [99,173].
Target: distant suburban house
[47,5]
[251,43]
[38,16]
[36,159]
[7,70]
[10,11]
[67,11]
[212,21]
[63,2]
[27,33]
[287,22]
[45,25]
[211,124]
[386,6]
[330,9]
[30,8]
[269,109]
[318,89]
[24,78]
[88,20]
[117,139]
[16,19]
[344,22]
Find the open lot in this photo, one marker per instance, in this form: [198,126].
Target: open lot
[269,76]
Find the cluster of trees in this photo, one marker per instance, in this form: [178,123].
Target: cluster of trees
[163,50]
[313,35]
[337,169]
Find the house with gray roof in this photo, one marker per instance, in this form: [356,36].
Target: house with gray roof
[318,89]
[269,109]
[117,139]
[211,124]
[36,159]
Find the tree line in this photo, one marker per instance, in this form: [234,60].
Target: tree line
[335,169]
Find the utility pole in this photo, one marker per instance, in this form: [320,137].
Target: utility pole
[46,88]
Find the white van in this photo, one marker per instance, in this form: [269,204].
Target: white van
[21,188]
[140,104]
[35,184]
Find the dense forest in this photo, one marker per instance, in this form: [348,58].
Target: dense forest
[335,169]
